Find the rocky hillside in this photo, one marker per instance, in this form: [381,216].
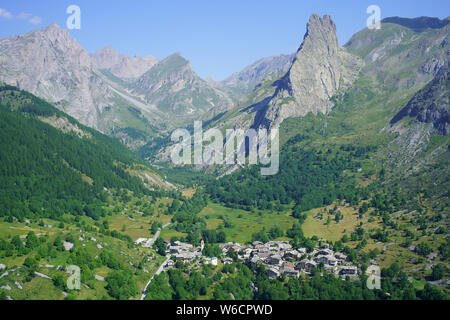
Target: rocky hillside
[133,99]
[176,90]
[51,64]
[431,104]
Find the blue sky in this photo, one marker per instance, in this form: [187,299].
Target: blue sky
[218,37]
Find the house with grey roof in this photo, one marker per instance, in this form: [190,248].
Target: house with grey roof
[272,273]
[348,270]
[289,271]
[274,260]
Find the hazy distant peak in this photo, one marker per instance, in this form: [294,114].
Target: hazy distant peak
[418,24]
[122,65]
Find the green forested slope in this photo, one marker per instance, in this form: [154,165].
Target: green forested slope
[46,172]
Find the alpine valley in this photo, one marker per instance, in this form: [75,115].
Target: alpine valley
[86,177]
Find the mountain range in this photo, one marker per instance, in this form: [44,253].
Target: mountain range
[131,98]
[364,167]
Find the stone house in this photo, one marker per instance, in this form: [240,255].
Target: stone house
[274,260]
[272,273]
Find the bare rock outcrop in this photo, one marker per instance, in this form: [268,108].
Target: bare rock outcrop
[320,68]
[52,65]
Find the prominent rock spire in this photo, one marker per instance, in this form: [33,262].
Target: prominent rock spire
[319,69]
[321,34]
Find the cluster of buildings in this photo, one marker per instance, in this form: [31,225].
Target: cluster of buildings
[186,252]
[278,256]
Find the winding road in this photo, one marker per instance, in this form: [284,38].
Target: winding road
[152,240]
[161,267]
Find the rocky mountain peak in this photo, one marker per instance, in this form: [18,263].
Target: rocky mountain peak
[53,27]
[55,34]
[321,34]
[319,69]
[108,50]
[106,58]
[245,81]
[51,64]
[175,88]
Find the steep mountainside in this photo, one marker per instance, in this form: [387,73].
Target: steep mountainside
[400,59]
[400,56]
[54,66]
[176,90]
[319,70]
[431,104]
[58,155]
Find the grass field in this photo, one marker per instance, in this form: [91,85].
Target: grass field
[44,289]
[168,233]
[132,222]
[188,192]
[334,231]
[137,226]
[244,223]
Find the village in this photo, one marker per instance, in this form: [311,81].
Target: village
[278,257]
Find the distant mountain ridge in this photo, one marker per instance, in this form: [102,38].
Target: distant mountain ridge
[122,65]
[244,81]
[106,90]
[418,24]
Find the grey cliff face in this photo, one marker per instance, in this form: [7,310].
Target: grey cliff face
[319,69]
[431,104]
[52,65]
